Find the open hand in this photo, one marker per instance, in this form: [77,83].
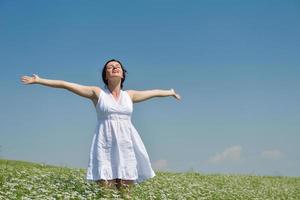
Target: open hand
[177,96]
[29,79]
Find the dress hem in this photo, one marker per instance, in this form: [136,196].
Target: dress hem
[136,180]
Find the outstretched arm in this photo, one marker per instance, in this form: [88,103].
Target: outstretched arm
[82,90]
[138,96]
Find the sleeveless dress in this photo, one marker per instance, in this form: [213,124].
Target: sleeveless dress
[117,150]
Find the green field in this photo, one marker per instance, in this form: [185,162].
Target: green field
[25,180]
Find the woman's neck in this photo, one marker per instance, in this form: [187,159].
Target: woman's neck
[114,89]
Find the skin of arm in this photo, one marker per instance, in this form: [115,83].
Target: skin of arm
[81,90]
[138,96]
[92,91]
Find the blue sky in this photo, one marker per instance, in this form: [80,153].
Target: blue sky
[235,63]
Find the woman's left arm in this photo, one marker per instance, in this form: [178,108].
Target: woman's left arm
[138,96]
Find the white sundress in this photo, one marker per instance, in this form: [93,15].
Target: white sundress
[117,150]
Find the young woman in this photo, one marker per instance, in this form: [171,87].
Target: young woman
[118,156]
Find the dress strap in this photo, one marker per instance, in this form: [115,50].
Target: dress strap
[100,96]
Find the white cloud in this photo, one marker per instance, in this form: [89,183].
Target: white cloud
[230,154]
[160,164]
[272,154]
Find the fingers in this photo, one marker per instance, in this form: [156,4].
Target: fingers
[23,78]
[30,79]
[177,96]
[26,79]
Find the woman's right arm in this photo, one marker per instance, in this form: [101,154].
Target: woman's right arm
[81,90]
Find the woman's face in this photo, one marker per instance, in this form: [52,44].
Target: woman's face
[114,69]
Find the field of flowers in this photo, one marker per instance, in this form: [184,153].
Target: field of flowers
[24,180]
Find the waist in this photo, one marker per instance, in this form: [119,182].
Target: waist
[114,117]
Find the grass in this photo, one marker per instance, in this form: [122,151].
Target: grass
[25,180]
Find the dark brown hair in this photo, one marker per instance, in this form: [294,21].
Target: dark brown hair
[104,72]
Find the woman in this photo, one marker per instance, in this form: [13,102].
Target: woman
[118,156]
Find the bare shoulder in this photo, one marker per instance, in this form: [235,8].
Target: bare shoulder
[96,90]
[130,93]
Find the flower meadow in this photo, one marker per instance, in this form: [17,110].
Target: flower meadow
[25,180]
